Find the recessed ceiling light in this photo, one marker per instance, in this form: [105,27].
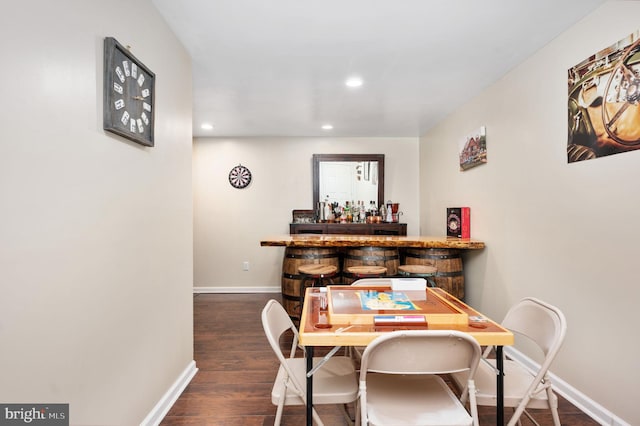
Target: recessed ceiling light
[206,126]
[353,82]
[327,127]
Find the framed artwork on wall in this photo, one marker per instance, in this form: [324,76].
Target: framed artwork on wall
[473,149]
[604,102]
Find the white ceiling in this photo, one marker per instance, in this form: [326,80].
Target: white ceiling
[277,67]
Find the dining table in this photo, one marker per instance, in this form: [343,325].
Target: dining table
[342,316]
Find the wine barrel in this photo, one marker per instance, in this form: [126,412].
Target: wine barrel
[371,256]
[450,276]
[291,279]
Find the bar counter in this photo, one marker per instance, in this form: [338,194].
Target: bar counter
[342,250]
[339,240]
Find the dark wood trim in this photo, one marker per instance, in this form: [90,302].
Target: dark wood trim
[317,158]
[349,228]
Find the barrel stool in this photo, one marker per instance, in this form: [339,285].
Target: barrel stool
[449,276]
[365,271]
[427,272]
[370,257]
[317,274]
[295,257]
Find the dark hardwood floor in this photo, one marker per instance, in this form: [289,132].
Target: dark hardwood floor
[237,369]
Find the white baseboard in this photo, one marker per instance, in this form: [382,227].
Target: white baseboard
[571,394]
[237,289]
[170,397]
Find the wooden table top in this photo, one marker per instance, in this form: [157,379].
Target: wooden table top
[339,240]
[341,332]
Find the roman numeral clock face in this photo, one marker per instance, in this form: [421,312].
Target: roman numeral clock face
[128,94]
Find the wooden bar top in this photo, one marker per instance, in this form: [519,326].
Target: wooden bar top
[339,240]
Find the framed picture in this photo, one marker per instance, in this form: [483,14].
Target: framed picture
[473,149]
[603,102]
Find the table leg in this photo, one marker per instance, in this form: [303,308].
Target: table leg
[499,387]
[309,356]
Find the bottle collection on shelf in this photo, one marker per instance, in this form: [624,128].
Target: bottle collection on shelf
[357,212]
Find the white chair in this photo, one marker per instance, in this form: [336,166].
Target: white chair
[334,383]
[372,282]
[542,324]
[399,382]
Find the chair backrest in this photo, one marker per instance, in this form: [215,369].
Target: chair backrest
[421,352]
[540,322]
[546,326]
[372,282]
[276,322]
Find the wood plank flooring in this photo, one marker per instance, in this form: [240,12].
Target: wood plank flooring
[237,369]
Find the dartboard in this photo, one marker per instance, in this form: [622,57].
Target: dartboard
[239,176]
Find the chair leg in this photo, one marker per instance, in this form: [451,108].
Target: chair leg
[279,412]
[316,417]
[361,409]
[526,413]
[553,405]
[347,416]
[515,418]
[473,406]
[302,291]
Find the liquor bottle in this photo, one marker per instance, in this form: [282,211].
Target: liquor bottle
[383,212]
[355,212]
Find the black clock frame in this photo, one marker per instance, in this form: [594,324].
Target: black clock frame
[113,50]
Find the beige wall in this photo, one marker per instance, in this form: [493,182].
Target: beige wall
[229,223]
[95,232]
[565,233]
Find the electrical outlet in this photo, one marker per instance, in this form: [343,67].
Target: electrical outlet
[245,265]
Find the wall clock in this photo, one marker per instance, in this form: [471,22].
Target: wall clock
[129,93]
[453,224]
[239,176]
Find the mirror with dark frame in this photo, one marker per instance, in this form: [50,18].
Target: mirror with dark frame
[348,177]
